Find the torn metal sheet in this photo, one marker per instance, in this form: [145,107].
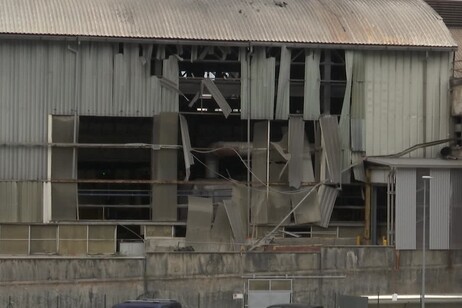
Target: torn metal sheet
[278,205]
[259,206]
[194,53]
[164,167]
[188,157]
[307,164]
[8,202]
[260,78]
[344,123]
[240,197]
[358,133]
[199,223]
[245,83]
[216,94]
[296,145]
[359,171]
[327,197]
[147,55]
[221,235]
[283,94]
[160,52]
[235,220]
[309,211]
[259,153]
[312,101]
[332,147]
[170,81]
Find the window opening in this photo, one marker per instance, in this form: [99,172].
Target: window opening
[112,191]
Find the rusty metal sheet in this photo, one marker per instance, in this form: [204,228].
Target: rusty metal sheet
[457,35]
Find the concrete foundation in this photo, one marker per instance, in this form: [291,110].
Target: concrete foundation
[208,280]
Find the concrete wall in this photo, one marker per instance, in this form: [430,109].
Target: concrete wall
[210,279]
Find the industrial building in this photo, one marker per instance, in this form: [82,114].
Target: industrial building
[130,127]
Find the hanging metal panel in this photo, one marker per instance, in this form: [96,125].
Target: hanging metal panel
[344,122]
[358,105]
[326,196]
[332,147]
[312,88]
[296,147]
[199,223]
[440,203]
[283,93]
[405,219]
[262,76]
[170,99]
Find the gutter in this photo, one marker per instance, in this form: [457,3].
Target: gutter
[137,40]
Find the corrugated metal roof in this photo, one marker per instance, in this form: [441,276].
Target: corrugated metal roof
[371,22]
[450,10]
[415,162]
[457,35]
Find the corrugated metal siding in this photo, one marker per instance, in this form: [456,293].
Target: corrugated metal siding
[30,201]
[456,210]
[457,35]
[440,202]
[326,196]
[407,22]
[358,129]
[405,209]
[395,115]
[259,77]
[39,78]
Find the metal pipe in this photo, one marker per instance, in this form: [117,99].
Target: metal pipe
[425,178]
[294,277]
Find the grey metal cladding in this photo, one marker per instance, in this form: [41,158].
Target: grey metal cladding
[326,196]
[456,210]
[407,22]
[330,134]
[440,204]
[405,229]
